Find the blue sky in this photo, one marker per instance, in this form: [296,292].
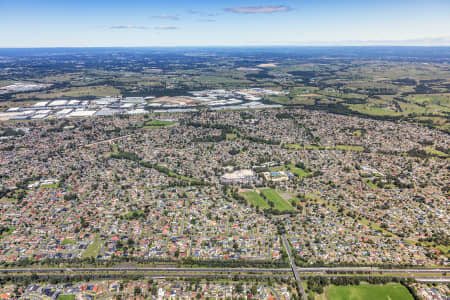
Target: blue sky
[67,23]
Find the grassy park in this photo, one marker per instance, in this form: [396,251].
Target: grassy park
[435,152]
[300,172]
[263,198]
[50,186]
[368,292]
[93,249]
[353,148]
[66,297]
[272,195]
[68,242]
[255,199]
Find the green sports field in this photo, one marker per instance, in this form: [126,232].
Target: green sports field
[255,199]
[157,124]
[301,173]
[368,292]
[279,202]
[298,171]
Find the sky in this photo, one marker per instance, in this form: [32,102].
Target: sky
[142,23]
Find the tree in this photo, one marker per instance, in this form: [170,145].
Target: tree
[154,290]
[137,290]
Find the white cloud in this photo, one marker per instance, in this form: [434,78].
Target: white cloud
[258,9]
[207,20]
[129,27]
[166,27]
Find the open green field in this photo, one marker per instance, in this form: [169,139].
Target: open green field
[279,202]
[298,171]
[231,136]
[66,297]
[265,196]
[436,102]
[416,107]
[374,110]
[255,199]
[433,151]
[296,99]
[358,132]
[411,108]
[354,148]
[50,186]
[368,292]
[445,250]
[114,148]
[292,168]
[299,147]
[93,249]
[98,91]
[439,122]
[67,242]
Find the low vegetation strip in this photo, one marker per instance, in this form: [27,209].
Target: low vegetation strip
[66,297]
[353,148]
[133,157]
[420,153]
[435,152]
[156,124]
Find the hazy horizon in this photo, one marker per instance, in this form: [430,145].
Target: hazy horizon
[174,23]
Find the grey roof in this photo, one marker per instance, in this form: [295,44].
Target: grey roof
[107,112]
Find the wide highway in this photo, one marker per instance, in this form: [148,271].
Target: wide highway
[323,270]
